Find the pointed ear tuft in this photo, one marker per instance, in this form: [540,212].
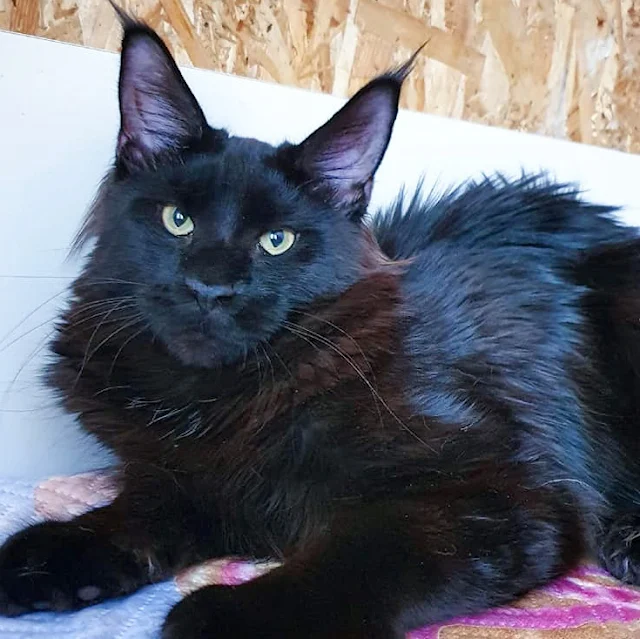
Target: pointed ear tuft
[340,158]
[126,20]
[159,116]
[401,73]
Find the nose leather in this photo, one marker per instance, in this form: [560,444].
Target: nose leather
[211,292]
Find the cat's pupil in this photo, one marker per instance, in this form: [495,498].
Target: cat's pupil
[178,218]
[276,238]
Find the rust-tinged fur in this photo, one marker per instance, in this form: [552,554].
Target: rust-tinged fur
[422,415]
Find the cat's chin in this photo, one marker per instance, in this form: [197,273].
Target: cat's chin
[195,338]
[196,348]
[211,339]
[202,351]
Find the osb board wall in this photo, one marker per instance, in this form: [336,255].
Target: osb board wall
[566,68]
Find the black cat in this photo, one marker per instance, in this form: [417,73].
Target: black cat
[423,415]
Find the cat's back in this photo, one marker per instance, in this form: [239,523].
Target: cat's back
[496,213]
[493,319]
[488,284]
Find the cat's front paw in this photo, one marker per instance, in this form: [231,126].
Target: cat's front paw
[61,566]
[253,612]
[211,612]
[242,612]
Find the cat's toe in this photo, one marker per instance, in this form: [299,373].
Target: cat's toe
[59,567]
[24,591]
[619,549]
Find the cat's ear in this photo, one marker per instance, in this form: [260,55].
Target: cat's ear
[159,116]
[339,159]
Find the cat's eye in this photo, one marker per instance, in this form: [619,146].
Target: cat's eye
[175,221]
[277,242]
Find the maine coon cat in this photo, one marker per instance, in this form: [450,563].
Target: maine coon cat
[423,415]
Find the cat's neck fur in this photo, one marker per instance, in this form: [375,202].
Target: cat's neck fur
[330,342]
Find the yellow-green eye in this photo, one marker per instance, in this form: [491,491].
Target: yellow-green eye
[277,242]
[175,221]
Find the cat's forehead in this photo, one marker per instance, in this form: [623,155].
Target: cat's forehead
[248,147]
[239,181]
[235,160]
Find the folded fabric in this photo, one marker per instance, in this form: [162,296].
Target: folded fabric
[586,604]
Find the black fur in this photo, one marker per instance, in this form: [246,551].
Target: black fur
[424,415]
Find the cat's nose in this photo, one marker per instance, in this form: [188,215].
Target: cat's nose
[210,293]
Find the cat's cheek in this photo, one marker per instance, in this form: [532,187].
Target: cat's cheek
[260,322]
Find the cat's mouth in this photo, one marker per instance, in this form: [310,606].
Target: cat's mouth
[208,335]
[208,345]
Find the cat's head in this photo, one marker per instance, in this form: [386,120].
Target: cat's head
[217,238]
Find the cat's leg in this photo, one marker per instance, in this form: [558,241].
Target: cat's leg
[146,534]
[386,568]
[618,545]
